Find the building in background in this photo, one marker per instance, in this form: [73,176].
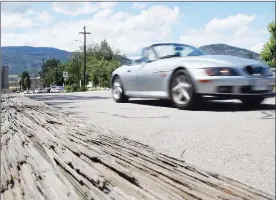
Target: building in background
[14,82]
[36,83]
[4,77]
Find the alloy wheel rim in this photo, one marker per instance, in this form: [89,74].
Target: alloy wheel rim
[181,90]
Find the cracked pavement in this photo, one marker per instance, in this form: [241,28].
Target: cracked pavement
[222,137]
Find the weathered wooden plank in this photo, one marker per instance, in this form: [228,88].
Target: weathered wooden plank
[48,155]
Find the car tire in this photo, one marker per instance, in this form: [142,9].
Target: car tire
[118,91]
[187,99]
[252,102]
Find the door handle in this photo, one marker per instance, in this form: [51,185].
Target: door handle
[129,70]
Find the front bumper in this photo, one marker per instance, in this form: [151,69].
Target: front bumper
[236,96]
[235,86]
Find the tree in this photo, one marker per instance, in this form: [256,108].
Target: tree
[101,62]
[268,54]
[74,68]
[52,72]
[106,51]
[20,84]
[25,81]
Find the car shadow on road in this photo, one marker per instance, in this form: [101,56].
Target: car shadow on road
[213,106]
[65,97]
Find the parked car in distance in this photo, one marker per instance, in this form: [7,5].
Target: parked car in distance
[38,90]
[185,75]
[61,88]
[44,90]
[55,89]
[28,92]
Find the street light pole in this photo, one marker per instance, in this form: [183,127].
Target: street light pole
[84,48]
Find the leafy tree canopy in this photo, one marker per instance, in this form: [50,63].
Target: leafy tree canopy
[25,81]
[268,54]
[101,61]
[52,72]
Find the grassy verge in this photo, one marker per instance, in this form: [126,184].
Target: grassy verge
[88,89]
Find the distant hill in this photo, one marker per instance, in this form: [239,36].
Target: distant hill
[21,58]
[224,49]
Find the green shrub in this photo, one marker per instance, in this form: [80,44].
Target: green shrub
[83,88]
[75,88]
[68,88]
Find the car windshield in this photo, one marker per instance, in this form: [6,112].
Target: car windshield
[177,50]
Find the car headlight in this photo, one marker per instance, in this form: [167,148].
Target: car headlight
[220,71]
[267,71]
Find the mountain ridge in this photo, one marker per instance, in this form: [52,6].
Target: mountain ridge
[224,49]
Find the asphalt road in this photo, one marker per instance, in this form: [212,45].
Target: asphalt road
[221,137]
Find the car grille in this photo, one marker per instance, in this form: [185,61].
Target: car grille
[248,90]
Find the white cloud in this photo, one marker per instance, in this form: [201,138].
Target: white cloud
[103,14]
[30,12]
[257,47]
[16,15]
[45,17]
[74,8]
[18,7]
[80,8]
[233,30]
[13,20]
[29,19]
[126,32]
[139,5]
[120,16]
[229,23]
[107,5]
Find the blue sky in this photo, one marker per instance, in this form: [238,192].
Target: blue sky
[128,26]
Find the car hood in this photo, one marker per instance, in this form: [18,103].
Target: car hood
[221,60]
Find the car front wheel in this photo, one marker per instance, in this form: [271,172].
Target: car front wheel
[182,91]
[118,91]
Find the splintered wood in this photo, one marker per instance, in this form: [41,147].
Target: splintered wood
[48,155]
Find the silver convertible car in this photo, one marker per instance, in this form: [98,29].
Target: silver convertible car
[185,75]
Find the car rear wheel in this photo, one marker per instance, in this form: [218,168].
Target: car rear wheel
[182,91]
[118,91]
[252,102]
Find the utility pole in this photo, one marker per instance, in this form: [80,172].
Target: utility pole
[34,78]
[43,63]
[84,48]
